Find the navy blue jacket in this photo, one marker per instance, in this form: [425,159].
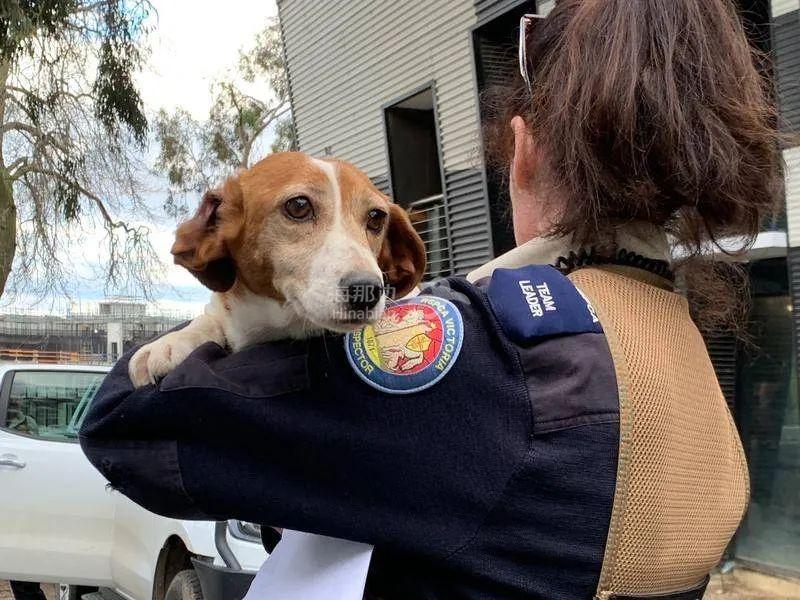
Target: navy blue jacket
[496,482]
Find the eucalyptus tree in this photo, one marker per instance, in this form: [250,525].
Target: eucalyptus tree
[72,128]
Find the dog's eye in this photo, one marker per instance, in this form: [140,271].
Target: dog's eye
[376,218]
[299,208]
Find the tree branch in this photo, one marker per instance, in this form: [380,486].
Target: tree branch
[61,92]
[99,203]
[44,137]
[20,126]
[17,164]
[5,68]
[260,103]
[266,121]
[271,117]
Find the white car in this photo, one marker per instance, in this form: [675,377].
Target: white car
[60,522]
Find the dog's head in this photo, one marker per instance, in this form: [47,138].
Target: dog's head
[314,235]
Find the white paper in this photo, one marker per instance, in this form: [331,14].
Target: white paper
[304,566]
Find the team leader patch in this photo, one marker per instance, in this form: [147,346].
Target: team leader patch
[411,347]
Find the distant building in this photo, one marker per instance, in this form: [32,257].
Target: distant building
[97,335]
[120,307]
[394,87]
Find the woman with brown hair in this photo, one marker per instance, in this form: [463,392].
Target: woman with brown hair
[550,427]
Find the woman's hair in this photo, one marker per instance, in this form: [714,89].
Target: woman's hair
[648,110]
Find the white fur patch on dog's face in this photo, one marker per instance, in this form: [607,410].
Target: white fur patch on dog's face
[342,254]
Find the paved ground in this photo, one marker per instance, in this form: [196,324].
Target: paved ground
[5,591]
[727,587]
[742,584]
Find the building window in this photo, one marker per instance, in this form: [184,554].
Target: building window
[416,173]
[768,415]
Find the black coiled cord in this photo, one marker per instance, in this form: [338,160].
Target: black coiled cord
[589,257]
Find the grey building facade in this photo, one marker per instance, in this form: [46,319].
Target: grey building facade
[395,88]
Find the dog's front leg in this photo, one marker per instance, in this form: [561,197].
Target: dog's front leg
[154,360]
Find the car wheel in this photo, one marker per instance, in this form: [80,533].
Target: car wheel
[184,586]
[73,592]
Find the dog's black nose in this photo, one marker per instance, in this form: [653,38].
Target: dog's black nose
[360,292]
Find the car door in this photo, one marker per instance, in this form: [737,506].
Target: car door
[56,515]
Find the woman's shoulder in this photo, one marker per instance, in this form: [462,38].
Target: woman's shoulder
[527,303]
[550,330]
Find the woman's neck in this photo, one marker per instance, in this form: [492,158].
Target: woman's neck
[641,239]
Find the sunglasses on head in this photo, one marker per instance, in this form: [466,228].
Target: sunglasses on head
[526,24]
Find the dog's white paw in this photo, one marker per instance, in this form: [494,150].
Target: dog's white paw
[152,362]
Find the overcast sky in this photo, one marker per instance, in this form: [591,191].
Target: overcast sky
[193,43]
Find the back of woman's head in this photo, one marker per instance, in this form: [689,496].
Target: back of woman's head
[649,110]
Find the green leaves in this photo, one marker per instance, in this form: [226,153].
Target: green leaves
[265,61]
[67,192]
[117,101]
[23,20]
[184,157]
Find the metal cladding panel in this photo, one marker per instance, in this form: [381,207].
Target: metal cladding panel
[786,49]
[781,7]
[792,158]
[348,59]
[545,6]
[486,9]
[382,183]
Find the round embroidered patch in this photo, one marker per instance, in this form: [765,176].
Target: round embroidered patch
[411,347]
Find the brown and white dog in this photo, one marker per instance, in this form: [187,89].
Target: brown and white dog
[291,247]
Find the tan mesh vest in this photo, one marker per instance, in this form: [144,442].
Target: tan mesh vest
[682,482]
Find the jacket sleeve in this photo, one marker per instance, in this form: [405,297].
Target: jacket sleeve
[288,434]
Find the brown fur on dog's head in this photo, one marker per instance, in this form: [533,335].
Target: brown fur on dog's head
[243,237]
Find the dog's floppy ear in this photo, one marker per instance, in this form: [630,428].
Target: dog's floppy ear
[200,243]
[402,255]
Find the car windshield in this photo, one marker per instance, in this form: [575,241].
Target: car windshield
[82,409]
[50,404]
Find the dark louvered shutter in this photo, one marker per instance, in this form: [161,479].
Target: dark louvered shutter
[722,350]
[794,292]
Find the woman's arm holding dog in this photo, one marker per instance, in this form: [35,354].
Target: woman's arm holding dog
[287,434]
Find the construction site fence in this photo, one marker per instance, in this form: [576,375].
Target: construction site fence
[51,357]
